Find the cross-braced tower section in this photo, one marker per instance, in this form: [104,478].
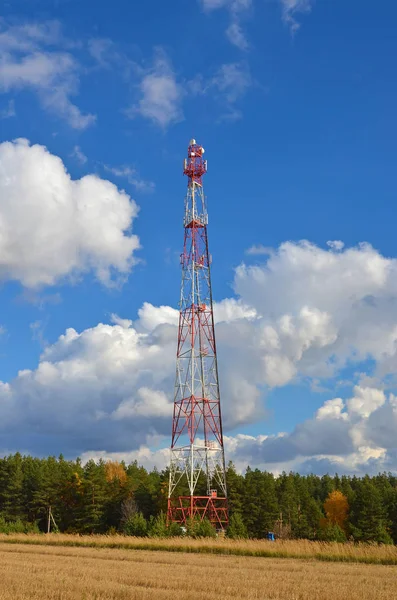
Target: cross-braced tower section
[197,484]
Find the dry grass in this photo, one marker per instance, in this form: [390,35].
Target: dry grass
[324,551]
[70,573]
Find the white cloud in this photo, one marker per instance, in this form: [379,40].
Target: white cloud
[259,249]
[365,401]
[337,439]
[110,386]
[151,316]
[132,177]
[99,388]
[332,409]
[102,51]
[28,60]
[230,309]
[291,8]
[327,307]
[147,403]
[236,35]
[53,227]
[8,111]
[233,5]
[336,245]
[236,8]
[144,456]
[124,323]
[160,94]
[214,4]
[228,85]
[232,80]
[305,314]
[79,155]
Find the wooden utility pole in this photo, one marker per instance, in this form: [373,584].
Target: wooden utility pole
[49,520]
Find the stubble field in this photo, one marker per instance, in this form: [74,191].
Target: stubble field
[33,572]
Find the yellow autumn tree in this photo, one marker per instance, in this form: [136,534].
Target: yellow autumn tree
[114,471]
[336,509]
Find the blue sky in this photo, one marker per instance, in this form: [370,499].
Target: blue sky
[294,102]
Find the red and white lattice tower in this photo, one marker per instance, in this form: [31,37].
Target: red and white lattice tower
[197,455]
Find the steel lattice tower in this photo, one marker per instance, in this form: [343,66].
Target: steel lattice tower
[197,455]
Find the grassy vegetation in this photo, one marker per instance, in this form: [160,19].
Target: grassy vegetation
[301,549]
[47,573]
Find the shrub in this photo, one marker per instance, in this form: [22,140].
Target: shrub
[332,533]
[158,526]
[17,526]
[200,528]
[174,530]
[237,529]
[136,525]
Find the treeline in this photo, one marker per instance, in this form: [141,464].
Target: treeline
[110,497]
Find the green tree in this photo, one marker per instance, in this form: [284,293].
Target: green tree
[158,526]
[237,529]
[332,533]
[136,525]
[368,519]
[288,504]
[199,528]
[11,488]
[92,499]
[261,508]
[235,487]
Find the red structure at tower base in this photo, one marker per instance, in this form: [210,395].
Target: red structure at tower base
[184,508]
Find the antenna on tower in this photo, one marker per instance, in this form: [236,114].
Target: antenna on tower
[197,483]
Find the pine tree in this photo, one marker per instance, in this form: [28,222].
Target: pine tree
[235,487]
[237,529]
[260,503]
[93,499]
[288,503]
[11,488]
[368,519]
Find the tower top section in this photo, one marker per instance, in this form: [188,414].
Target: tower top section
[194,166]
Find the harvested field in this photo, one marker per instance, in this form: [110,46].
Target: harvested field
[32,572]
[322,551]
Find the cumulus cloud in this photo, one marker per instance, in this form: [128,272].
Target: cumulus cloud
[322,309]
[338,438]
[335,440]
[29,60]
[90,391]
[303,314]
[107,388]
[145,456]
[52,227]
[160,93]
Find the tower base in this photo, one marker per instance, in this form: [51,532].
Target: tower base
[183,508]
